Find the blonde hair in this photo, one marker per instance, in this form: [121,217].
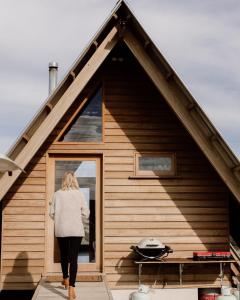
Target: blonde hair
[69,181]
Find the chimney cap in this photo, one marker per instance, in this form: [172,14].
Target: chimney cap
[53,64]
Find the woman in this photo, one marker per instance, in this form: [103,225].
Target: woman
[67,209]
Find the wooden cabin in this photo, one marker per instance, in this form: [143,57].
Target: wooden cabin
[148,161]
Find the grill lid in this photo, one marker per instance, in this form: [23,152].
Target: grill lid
[150,243]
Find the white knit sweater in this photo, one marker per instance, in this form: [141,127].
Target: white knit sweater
[67,209]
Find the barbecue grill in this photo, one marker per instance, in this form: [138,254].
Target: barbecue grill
[151,249]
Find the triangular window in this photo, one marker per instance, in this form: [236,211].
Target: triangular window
[87,125]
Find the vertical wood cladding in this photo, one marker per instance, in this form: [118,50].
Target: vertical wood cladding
[187,212]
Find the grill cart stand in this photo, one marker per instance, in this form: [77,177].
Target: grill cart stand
[182,263]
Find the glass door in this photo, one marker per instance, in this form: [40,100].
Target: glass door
[87,171]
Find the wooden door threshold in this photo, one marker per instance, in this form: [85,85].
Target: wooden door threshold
[81,277]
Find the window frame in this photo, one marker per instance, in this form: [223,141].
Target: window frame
[152,173]
[85,100]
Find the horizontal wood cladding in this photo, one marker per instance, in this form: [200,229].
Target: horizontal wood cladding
[35,174]
[188,212]
[176,254]
[23,225]
[18,240]
[32,181]
[164,217]
[22,270]
[24,218]
[24,210]
[122,146]
[36,203]
[23,262]
[169,239]
[165,225]
[161,196]
[23,228]
[28,188]
[161,182]
[133,119]
[25,196]
[164,210]
[165,203]
[160,189]
[142,132]
[113,248]
[139,232]
[25,247]
[30,255]
[23,233]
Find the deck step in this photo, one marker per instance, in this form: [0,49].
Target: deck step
[94,277]
[84,290]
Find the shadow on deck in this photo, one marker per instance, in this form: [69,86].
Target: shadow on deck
[84,290]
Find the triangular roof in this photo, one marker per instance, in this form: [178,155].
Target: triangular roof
[122,25]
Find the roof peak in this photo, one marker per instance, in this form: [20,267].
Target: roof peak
[119,3]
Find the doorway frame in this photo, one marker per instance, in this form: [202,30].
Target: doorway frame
[52,157]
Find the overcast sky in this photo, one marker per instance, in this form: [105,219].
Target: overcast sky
[200,39]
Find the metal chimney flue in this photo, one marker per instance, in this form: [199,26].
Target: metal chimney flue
[53,70]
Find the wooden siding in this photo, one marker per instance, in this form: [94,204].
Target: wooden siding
[23,228]
[188,212]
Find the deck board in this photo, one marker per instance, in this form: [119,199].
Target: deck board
[84,291]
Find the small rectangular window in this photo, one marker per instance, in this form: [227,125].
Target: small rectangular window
[155,164]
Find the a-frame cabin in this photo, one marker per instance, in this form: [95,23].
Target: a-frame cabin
[149,161]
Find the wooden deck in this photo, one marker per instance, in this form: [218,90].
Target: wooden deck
[84,290]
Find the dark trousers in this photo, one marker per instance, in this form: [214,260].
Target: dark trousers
[69,247]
